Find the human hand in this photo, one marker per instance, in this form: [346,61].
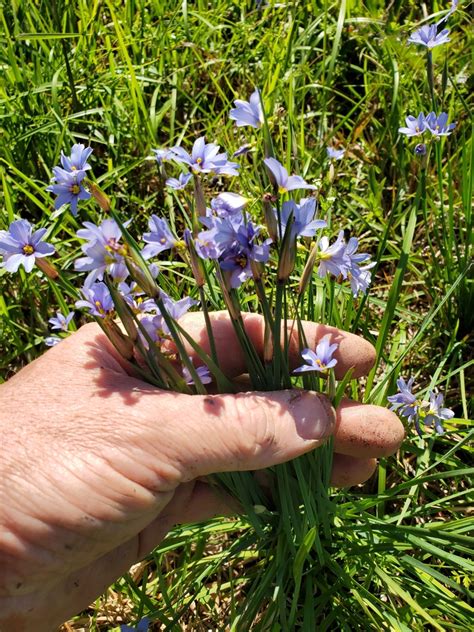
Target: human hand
[97,466]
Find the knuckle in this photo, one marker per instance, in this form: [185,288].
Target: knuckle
[257,427]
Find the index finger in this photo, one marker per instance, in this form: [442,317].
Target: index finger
[353,351]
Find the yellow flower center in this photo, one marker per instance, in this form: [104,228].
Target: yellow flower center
[75,189]
[199,160]
[100,309]
[28,250]
[282,190]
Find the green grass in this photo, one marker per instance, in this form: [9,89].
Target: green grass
[128,77]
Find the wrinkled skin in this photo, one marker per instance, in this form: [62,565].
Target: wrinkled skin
[96,466]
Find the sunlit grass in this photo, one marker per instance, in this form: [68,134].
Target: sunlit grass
[142,74]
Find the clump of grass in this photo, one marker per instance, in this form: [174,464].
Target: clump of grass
[129,78]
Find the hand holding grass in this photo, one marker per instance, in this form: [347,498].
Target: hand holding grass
[98,466]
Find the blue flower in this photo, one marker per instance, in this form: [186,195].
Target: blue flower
[438,125]
[320,361]
[77,161]
[142,626]
[228,203]
[429,412]
[415,126]
[420,149]
[177,309]
[283,181]
[428,36]
[359,278]
[133,296]
[156,326]
[159,238]
[180,182]
[60,321]
[332,257]
[335,154]
[454,6]
[21,246]
[304,224]
[203,373]
[242,150]
[204,158]
[433,413]
[98,300]
[161,155]
[248,112]
[237,258]
[52,341]
[67,186]
[103,251]
[404,402]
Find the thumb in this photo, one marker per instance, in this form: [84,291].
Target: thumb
[246,431]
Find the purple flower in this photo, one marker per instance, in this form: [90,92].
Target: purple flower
[204,158]
[98,300]
[177,309]
[415,126]
[236,258]
[420,149]
[438,125]
[60,321]
[207,245]
[304,224]
[161,155]
[159,238]
[52,341]
[404,402]
[77,161]
[428,36]
[322,360]
[242,150]
[103,251]
[133,296]
[21,246]
[203,373]
[154,327]
[141,627]
[332,258]
[432,412]
[180,182]
[67,186]
[335,154]
[359,278]
[429,412]
[228,203]
[283,181]
[454,6]
[248,112]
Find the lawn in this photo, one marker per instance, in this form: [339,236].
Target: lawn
[130,77]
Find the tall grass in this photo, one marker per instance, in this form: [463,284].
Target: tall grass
[128,77]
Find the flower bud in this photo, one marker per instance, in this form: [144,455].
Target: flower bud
[47,267]
[196,262]
[200,202]
[143,279]
[308,269]
[99,196]
[287,257]
[122,343]
[270,219]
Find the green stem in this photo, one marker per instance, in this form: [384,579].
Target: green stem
[429,69]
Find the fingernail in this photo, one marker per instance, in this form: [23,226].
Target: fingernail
[314,416]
